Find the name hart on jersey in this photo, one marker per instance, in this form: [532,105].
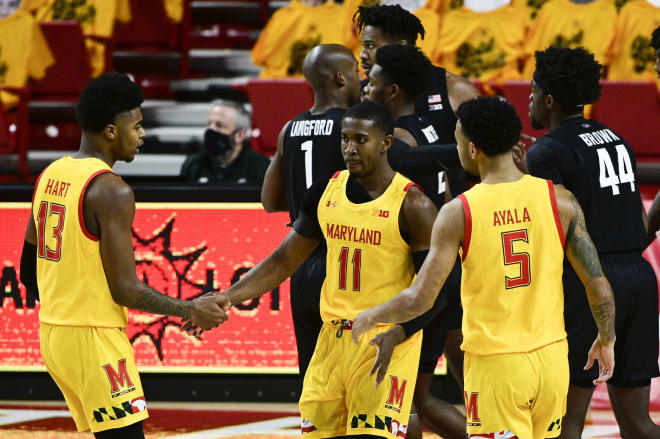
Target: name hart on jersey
[350,233]
[598,137]
[320,127]
[511,216]
[57,188]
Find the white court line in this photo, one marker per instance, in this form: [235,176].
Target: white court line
[8,417]
[288,425]
[601,431]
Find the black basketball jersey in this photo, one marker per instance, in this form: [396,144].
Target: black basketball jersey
[598,166]
[311,150]
[434,105]
[434,186]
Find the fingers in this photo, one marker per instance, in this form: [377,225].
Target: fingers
[590,361]
[527,137]
[355,335]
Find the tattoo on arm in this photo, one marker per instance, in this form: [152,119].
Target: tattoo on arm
[151,301]
[584,258]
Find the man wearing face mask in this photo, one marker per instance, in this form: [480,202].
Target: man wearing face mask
[224,157]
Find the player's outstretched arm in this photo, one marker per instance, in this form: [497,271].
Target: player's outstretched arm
[446,239]
[273,191]
[109,209]
[583,256]
[29,259]
[273,270]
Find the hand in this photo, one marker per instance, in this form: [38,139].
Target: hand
[519,152]
[603,351]
[385,343]
[209,311]
[362,324]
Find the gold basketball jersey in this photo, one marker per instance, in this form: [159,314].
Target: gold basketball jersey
[72,284]
[513,253]
[368,262]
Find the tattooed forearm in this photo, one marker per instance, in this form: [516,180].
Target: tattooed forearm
[579,243]
[603,313]
[151,301]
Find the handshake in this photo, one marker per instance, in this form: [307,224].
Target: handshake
[208,312]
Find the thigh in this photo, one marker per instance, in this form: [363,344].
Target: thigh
[549,407]
[323,399]
[381,411]
[98,365]
[499,392]
[636,298]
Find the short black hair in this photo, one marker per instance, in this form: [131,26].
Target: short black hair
[655,39]
[394,22]
[491,123]
[406,66]
[376,113]
[106,97]
[571,76]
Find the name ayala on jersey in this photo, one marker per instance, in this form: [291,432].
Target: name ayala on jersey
[320,127]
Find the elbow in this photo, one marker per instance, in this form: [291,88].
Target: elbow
[124,294]
[268,206]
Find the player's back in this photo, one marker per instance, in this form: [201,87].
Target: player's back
[513,255]
[311,150]
[434,105]
[601,171]
[73,288]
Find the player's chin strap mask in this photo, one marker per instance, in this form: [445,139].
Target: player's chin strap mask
[216,143]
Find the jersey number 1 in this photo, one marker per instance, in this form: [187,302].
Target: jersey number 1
[522,259]
[43,251]
[343,267]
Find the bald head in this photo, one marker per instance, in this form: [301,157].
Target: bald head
[324,61]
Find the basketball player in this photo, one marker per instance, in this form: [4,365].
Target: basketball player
[376,225]
[309,149]
[512,230]
[78,259]
[380,25]
[599,167]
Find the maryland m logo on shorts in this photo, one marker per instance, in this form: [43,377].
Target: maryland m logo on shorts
[472,409]
[397,391]
[120,381]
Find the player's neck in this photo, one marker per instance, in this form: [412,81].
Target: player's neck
[323,102]
[402,109]
[500,169]
[89,148]
[558,117]
[377,181]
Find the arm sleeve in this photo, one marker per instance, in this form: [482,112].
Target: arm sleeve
[307,223]
[414,325]
[544,162]
[29,269]
[422,160]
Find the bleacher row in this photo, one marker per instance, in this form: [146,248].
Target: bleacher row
[179,70]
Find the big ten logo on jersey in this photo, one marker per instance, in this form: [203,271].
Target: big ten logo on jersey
[120,381]
[472,409]
[381,213]
[397,392]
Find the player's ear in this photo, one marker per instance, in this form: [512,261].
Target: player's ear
[387,142]
[549,101]
[393,90]
[472,148]
[110,132]
[340,80]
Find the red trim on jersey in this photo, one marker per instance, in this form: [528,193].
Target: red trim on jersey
[336,174]
[411,185]
[468,226]
[81,219]
[555,211]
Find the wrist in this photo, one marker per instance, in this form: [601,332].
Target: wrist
[400,333]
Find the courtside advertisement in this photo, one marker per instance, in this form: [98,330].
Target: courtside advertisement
[183,250]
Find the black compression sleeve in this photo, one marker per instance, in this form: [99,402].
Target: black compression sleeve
[414,325]
[29,269]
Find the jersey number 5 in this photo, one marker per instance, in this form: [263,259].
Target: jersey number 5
[43,251]
[510,258]
[343,267]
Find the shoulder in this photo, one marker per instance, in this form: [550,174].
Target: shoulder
[460,90]
[108,192]
[545,146]
[194,158]
[415,202]
[255,157]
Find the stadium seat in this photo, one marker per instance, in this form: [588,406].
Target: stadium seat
[274,102]
[517,93]
[66,78]
[632,109]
